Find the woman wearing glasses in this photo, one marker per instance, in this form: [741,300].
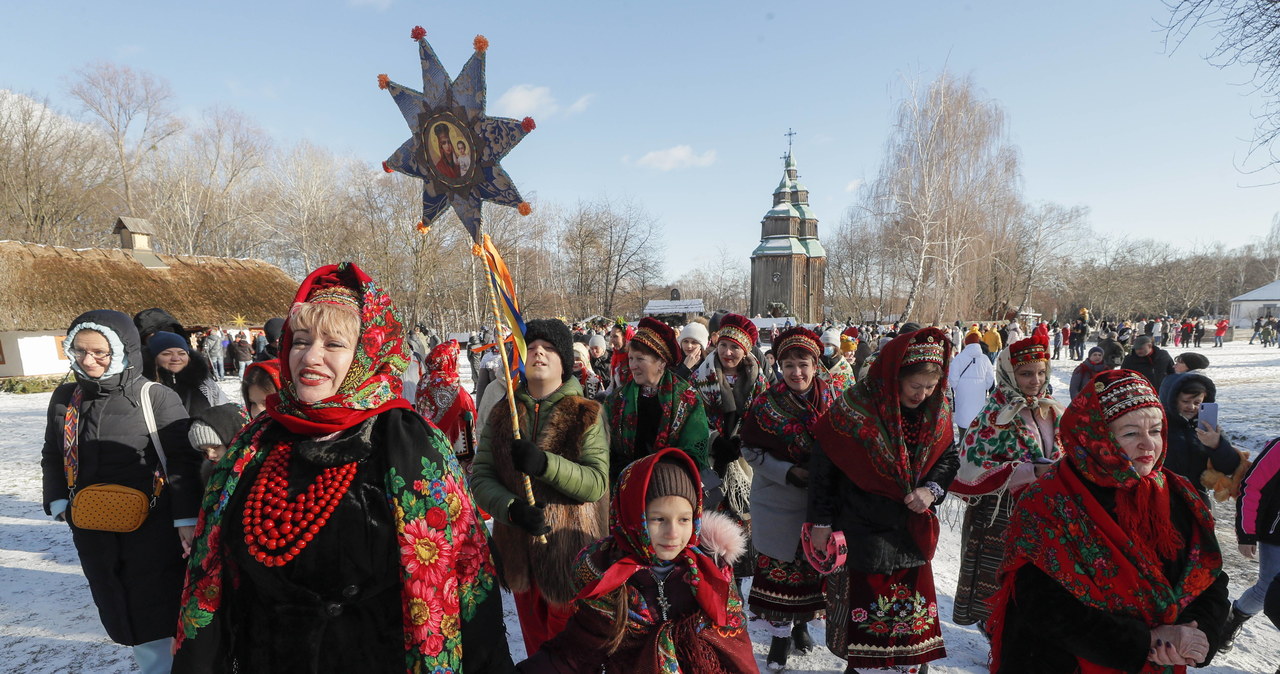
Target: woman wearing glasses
[97,434]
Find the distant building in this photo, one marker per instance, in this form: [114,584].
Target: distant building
[788,268]
[47,286]
[1262,302]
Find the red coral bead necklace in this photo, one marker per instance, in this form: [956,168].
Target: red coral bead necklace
[276,527]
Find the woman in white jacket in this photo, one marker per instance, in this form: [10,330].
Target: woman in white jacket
[971,378]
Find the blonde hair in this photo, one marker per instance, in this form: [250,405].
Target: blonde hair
[325,318]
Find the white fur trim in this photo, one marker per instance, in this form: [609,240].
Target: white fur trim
[722,537]
[119,359]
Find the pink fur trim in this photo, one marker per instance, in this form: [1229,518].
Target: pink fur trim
[722,537]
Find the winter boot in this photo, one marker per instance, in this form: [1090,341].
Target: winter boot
[779,648]
[800,639]
[1232,630]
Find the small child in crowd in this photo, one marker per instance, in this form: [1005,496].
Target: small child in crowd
[656,593]
[211,432]
[260,380]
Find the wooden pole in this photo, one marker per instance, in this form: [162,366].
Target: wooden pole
[506,375]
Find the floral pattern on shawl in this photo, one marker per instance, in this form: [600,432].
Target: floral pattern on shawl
[440,397]
[706,380]
[683,422]
[447,571]
[839,376]
[991,451]
[781,422]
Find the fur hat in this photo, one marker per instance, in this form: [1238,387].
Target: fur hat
[697,332]
[670,479]
[555,333]
[659,338]
[739,330]
[798,337]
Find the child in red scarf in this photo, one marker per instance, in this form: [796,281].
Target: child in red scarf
[656,595]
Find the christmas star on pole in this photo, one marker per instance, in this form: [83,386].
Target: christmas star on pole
[455,148]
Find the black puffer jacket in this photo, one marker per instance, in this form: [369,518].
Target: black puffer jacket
[1155,366]
[136,577]
[1187,456]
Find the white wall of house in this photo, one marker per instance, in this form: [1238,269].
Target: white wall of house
[32,353]
[1244,312]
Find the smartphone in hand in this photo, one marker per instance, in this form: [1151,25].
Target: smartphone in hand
[1208,415]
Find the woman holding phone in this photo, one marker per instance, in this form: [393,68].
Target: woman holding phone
[1196,441]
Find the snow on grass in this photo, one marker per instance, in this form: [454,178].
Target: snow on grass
[48,622]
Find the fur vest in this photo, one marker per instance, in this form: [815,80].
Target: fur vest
[525,563]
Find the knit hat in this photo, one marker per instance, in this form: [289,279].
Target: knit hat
[1097,349]
[852,331]
[1032,349]
[848,344]
[217,425]
[1123,391]
[832,337]
[555,333]
[163,341]
[1194,361]
[697,332]
[972,338]
[1142,339]
[798,337]
[739,330]
[597,341]
[670,479]
[908,328]
[659,338]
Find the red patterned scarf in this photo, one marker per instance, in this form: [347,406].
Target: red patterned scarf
[1062,529]
[630,534]
[440,397]
[864,436]
[781,421]
[373,383]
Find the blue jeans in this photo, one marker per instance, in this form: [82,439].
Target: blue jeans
[1254,598]
[241,365]
[1217,341]
[219,366]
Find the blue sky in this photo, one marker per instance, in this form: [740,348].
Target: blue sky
[683,106]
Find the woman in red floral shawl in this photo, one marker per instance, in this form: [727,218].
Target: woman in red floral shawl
[1112,564]
[883,461]
[656,596]
[338,534]
[443,401]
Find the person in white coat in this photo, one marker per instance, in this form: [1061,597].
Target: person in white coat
[971,378]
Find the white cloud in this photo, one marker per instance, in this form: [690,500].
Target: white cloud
[678,157]
[853,185]
[581,104]
[534,101]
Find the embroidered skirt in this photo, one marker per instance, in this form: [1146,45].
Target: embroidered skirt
[884,620]
[786,591]
[982,551]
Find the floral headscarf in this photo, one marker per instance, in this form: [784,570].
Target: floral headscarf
[1025,351]
[374,381]
[1110,563]
[440,398]
[629,532]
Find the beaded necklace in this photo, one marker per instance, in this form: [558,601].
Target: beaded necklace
[276,527]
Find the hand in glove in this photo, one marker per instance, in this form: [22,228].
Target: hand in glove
[726,449]
[528,458]
[530,518]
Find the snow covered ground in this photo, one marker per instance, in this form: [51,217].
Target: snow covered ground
[48,622]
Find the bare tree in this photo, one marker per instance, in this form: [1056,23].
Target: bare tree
[53,171]
[1248,35]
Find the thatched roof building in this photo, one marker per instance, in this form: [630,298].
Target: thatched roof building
[44,287]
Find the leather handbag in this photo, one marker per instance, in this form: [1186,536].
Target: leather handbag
[114,507]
